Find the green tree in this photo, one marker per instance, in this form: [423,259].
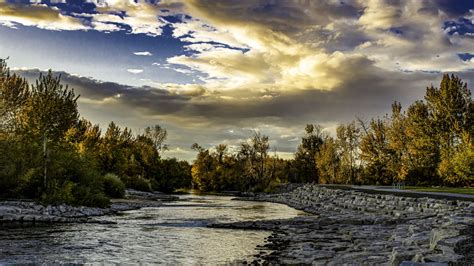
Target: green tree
[201,170]
[419,166]
[305,155]
[450,109]
[376,153]
[398,141]
[348,141]
[328,162]
[14,155]
[14,92]
[254,154]
[50,111]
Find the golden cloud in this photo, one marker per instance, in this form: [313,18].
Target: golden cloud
[41,16]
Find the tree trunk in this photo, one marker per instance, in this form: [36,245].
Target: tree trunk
[45,141]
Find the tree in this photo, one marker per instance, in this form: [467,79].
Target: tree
[459,169]
[348,141]
[306,153]
[328,162]
[254,154]
[14,92]
[173,174]
[450,109]
[201,170]
[419,166]
[375,152]
[51,110]
[158,136]
[398,141]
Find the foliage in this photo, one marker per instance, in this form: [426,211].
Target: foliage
[250,168]
[58,192]
[173,174]
[429,143]
[113,186]
[328,162]
[49,153]
[304,162]
[348,140]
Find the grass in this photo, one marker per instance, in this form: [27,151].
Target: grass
[457,190]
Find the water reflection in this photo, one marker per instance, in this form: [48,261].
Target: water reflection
[175,234]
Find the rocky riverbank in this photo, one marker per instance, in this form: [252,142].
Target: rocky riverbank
[352,227]
[14,212]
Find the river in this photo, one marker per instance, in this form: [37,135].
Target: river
[175,233]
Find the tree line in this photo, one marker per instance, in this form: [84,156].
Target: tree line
[49,153]
[429,143]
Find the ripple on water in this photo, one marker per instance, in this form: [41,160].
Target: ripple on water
[175,233]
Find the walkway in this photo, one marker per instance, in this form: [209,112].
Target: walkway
[405,192]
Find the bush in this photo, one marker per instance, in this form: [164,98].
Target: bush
[57,193]
[30,184]
[113,186]
[137,183]
[90,196]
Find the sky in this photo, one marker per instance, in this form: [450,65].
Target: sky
[213,71]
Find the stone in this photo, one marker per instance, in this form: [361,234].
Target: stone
[374,229]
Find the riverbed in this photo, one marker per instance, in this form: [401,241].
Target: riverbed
[175,233]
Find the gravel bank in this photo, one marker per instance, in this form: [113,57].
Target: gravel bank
[13,212]
[353,227]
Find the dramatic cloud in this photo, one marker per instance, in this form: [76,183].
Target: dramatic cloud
[40,16]
[137,18]
[193,115]
[243,65]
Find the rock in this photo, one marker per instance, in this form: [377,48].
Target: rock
[363,228]
[135,194]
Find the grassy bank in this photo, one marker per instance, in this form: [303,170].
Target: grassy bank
[456,190]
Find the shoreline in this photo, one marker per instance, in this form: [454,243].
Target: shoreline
[355,227]
[28,212]
[342,226]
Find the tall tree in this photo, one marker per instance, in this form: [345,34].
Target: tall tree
[451,113]
[398,141]
[376,153]
[158,136]
[419,166]
[328,162]
[254,154]
[450,110]
[14,155]
[348,141]
[14,92]
[50,112]
[305,155]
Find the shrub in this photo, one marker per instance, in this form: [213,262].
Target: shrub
[137,182]
[57,193]
[90,196]
[113,186]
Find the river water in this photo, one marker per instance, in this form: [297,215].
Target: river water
[175,233]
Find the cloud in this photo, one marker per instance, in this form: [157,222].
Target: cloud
[142,17]
[273,65]
[145,53]
[195,113]
[287,44]
[38,15]
[135,71]
[137,17]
